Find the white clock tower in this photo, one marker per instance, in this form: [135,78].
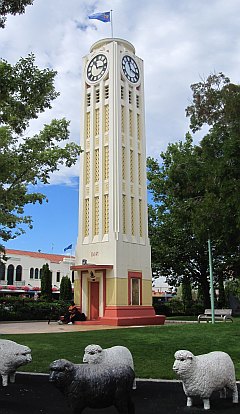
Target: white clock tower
[114,279]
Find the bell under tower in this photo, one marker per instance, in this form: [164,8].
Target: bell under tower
[113,265]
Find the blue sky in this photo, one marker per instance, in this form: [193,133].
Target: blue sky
[180,42]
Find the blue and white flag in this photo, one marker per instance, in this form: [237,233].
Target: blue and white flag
[68,248]
[104,17]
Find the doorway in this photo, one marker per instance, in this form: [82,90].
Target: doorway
[94,300]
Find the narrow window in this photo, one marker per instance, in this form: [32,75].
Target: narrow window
[88,99]
[58,277]
[2,271]
[97,96]
[18,273]
[135,288]
[106,92]
[36,273]
[10,274]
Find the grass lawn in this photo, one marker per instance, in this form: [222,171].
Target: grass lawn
[153,348]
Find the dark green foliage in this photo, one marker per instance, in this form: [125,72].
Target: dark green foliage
[221,303]
[12,7]
[187,295]
[65,289]
[46,283]
[233,287]
[27,161]
[20,309]
[196,193]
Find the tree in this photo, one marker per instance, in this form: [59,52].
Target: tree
[187,294]
[65,289]
[12,7]
[196,192]
[46,283]
[216,102]
[176,251]
[27,161]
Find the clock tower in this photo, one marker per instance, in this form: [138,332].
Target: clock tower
[113,279]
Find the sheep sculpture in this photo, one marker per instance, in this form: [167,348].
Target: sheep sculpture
[94,386]
[13,355]
[95,354]
[203,374]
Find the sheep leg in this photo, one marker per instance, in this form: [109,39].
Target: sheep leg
[235,394]
[189,402]
[134,384]
[223,393]
[12,377]
[206,404]
[4,380]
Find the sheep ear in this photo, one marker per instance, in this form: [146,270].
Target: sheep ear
[68,368]
[189,357]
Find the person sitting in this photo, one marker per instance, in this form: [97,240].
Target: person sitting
[76,315]
[72,315]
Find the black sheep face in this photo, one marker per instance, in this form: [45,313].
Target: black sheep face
[60,372]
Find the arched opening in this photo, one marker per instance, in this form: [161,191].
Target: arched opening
[2,271]
[18,273]
[31,273]
[10,274]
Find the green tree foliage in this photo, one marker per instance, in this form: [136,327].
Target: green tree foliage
[233,288]
[46,283]
[187,294]
[196,191]
[65,289]
[27,161]
[12,7]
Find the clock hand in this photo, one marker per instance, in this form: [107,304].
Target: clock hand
[132,69]
[99,65]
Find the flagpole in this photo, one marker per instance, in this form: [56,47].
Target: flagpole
[111,11]
[70,265]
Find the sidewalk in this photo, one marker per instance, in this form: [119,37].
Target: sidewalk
[43,327]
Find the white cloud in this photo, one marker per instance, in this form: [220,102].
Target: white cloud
[179,41]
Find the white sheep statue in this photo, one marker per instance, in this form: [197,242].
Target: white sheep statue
[13,355]
[94,386]
[95,354]
[203,374]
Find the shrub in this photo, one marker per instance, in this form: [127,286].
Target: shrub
[65,289]
[46,283]
[19,309]
[162,308]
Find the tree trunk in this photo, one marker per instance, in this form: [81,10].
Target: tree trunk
[205,288]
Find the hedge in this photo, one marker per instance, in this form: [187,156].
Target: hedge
[19,309]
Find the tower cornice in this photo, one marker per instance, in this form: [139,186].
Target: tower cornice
[100,43]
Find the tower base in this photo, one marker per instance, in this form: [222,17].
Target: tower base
[128,316]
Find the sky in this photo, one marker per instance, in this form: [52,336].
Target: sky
[180,42]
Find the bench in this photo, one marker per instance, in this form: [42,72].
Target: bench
[219,314]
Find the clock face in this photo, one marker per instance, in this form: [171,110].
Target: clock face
[96,68]
[130,69]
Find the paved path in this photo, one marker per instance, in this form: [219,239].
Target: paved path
[43,327]
[53,327]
